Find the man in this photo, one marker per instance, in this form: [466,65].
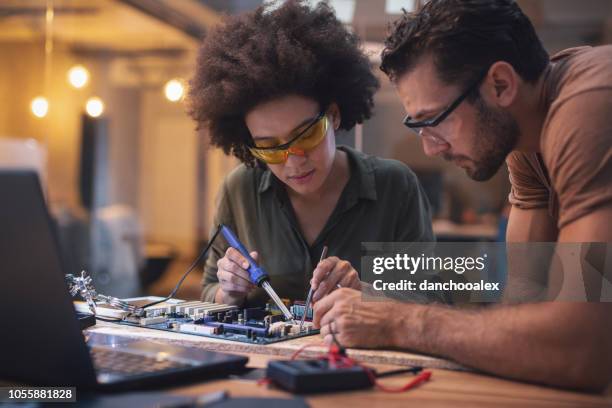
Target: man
[479,88]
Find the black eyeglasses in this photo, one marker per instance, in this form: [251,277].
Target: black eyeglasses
[435,121]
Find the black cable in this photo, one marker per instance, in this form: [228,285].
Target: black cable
[107,320]
[193,265]
[342,350]
[414,370]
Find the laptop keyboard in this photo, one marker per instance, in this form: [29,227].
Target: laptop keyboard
[124,363]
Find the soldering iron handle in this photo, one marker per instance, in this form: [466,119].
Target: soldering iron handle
[257,274]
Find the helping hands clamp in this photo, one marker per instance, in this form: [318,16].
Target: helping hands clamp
[83,285]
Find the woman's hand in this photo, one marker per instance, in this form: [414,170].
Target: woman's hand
[330,273]
[234,280]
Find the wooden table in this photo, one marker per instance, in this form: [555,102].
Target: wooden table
[450,385]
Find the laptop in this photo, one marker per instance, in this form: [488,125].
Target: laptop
[41,342]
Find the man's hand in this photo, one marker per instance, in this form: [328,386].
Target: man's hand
[331,272]
[234,280]
[353,322]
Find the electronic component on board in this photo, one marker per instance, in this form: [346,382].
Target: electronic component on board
[146,321]
[261,325]
[298,308]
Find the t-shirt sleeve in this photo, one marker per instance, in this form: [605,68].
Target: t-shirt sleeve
[528,189]
[223,215]
[577,150]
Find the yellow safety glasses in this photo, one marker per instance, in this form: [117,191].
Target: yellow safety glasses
[307,138]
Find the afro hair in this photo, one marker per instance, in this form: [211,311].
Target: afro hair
[272,52]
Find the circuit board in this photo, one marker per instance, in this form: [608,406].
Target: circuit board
[258,325]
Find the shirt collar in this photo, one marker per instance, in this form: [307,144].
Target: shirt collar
[362,175]
[265,182]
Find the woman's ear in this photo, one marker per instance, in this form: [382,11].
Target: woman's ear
[334,111]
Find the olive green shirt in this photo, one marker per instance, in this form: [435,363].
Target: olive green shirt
[381,202]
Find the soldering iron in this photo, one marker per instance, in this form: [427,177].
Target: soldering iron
[257,274]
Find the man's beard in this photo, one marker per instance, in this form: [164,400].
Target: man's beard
[496,136]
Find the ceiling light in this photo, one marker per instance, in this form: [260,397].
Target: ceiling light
[174,90]
[78,76]
[39,106]
[94,107]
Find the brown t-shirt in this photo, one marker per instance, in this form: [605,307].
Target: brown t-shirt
[572,173]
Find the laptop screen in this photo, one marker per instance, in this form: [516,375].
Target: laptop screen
[41,342]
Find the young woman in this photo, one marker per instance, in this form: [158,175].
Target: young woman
[272,87]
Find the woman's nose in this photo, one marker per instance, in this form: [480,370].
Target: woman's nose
[295,156]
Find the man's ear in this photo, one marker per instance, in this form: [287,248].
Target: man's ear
[501,85]
[334,111]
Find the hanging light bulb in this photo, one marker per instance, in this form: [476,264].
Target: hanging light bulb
[94,107]
[39,106]
[174,90]
[78,76]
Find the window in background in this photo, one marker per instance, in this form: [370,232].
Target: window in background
[396,6]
